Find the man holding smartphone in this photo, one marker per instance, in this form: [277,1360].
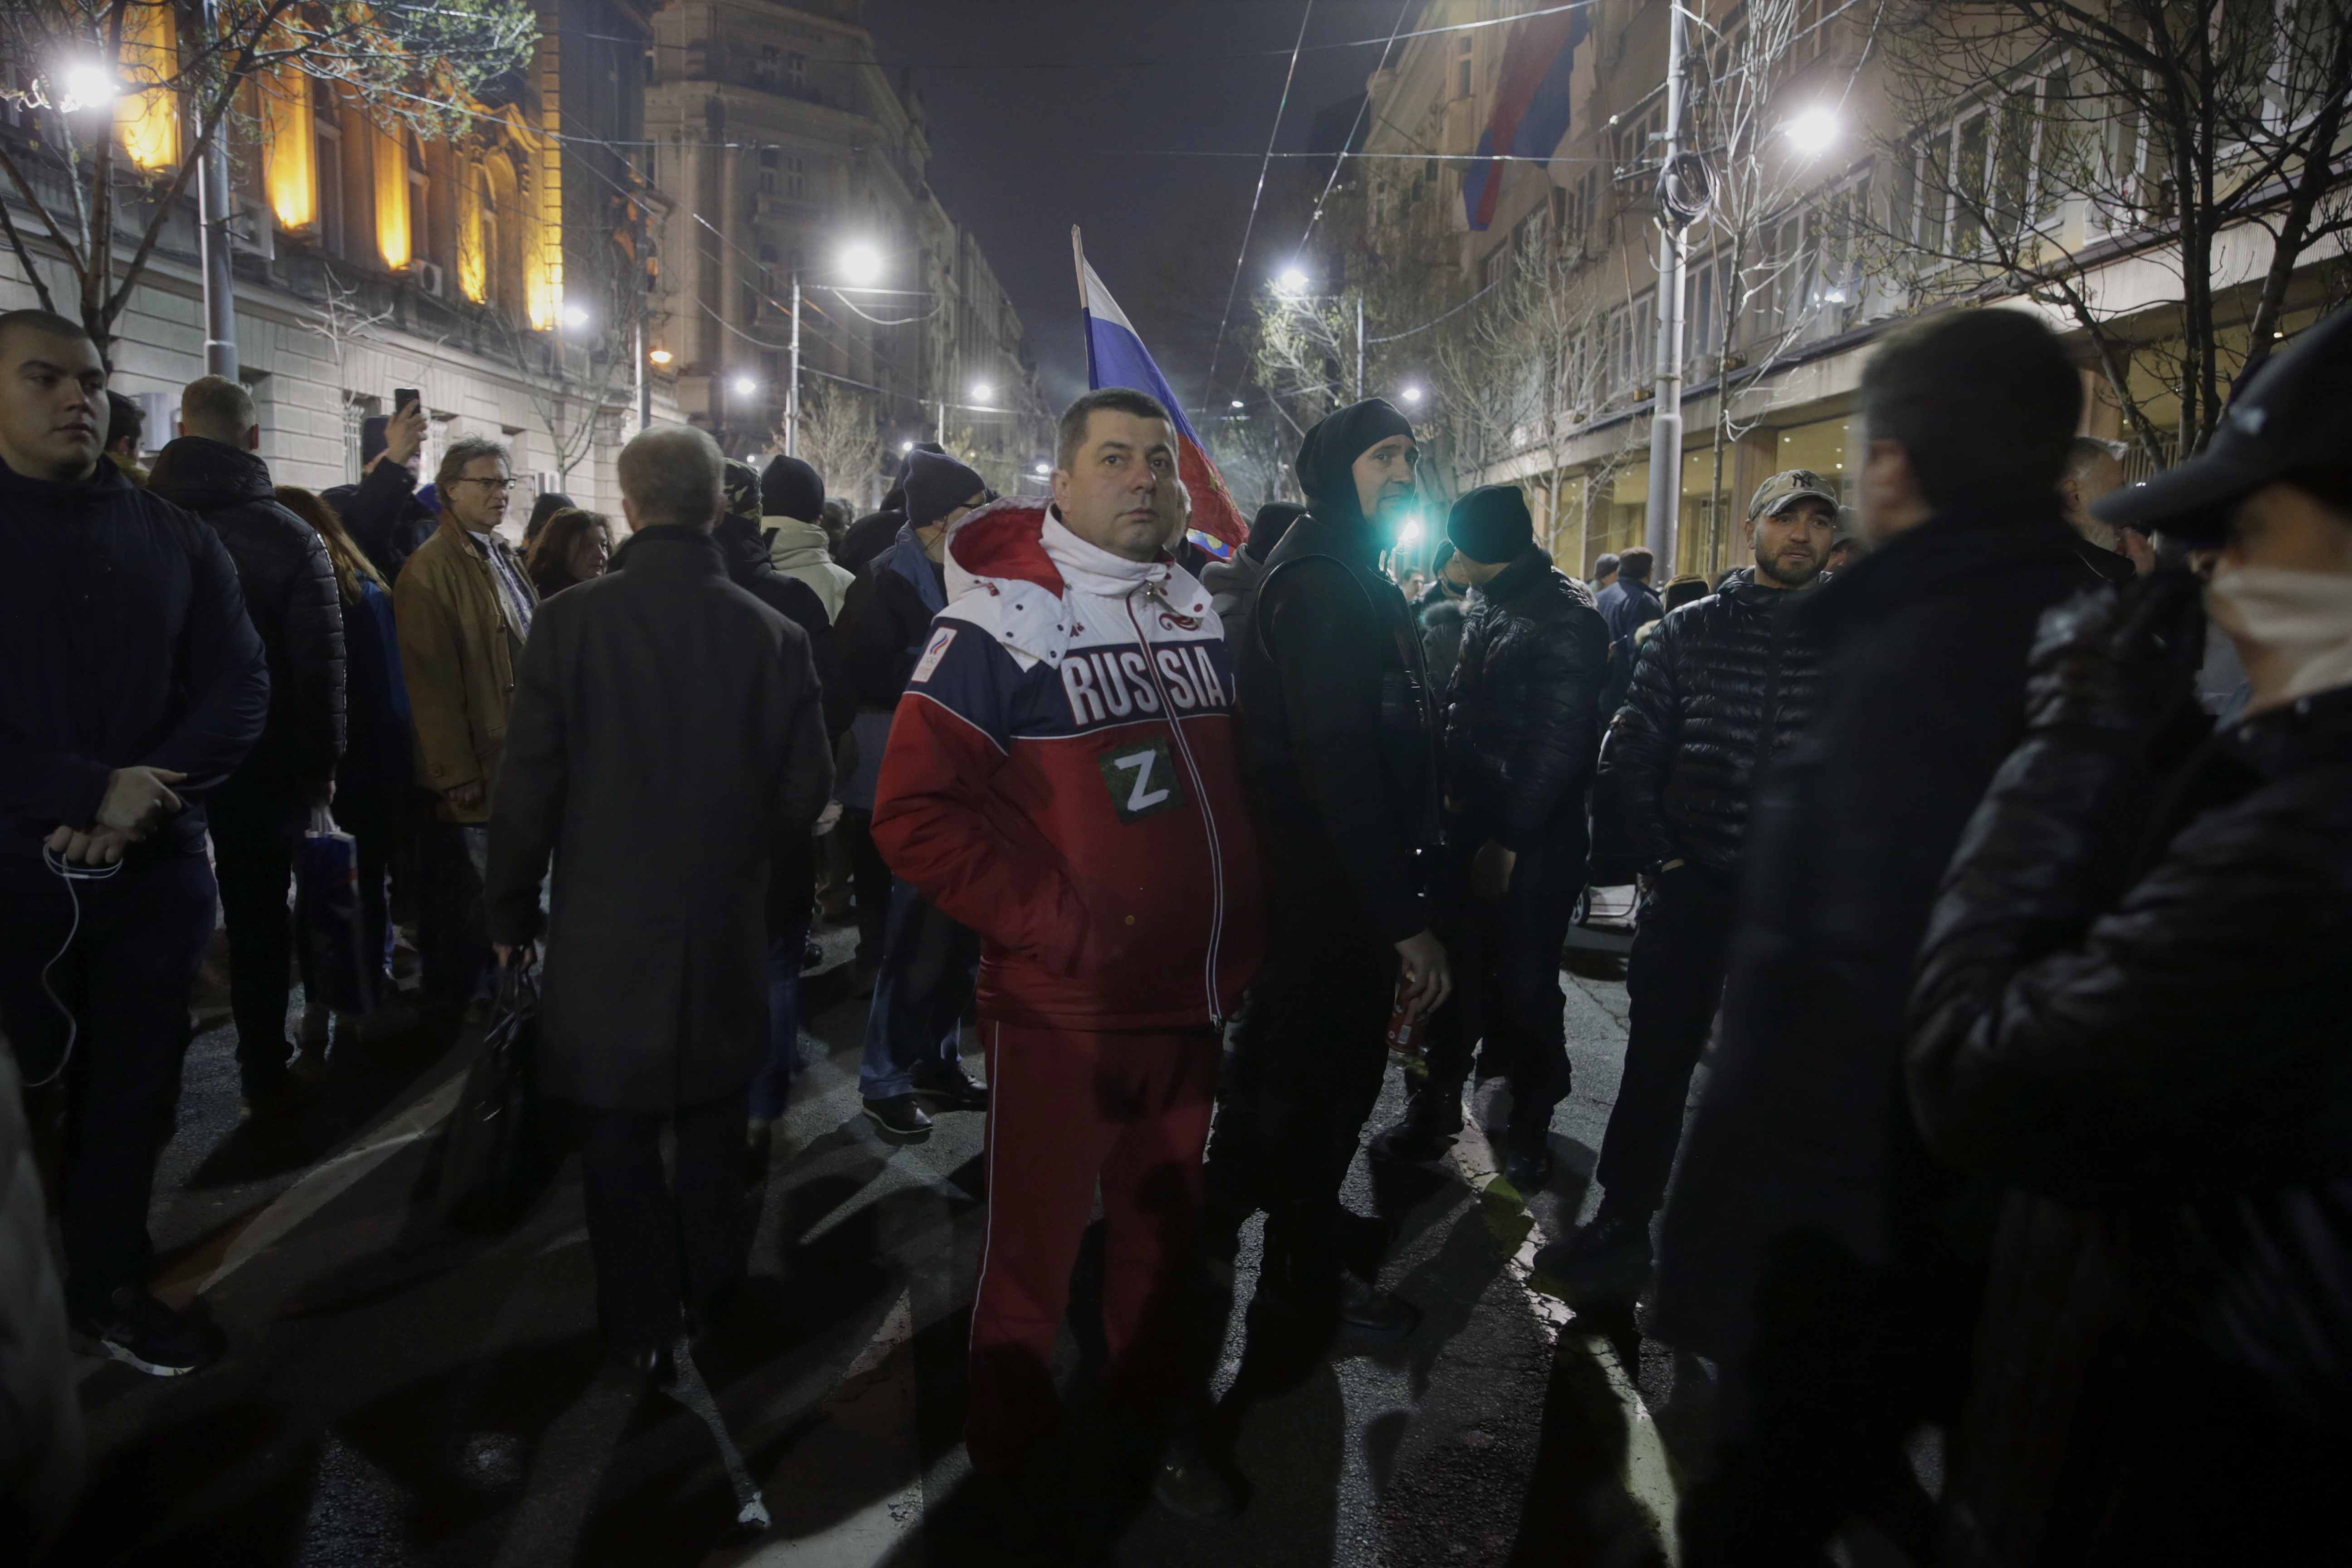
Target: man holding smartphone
[382,512]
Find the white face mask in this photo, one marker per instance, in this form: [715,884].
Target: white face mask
[2303,619]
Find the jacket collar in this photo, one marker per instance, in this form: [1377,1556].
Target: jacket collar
[462,538]
[1350,542]
[1000,550]
[106,484]
[2308,731]
[205,475]
[673,547]
[1530,567]
[1946,554]
[794,542]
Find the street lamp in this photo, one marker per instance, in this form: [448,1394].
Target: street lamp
[1410,534]
[905,447]
[85,85]
[861,264]
[1292,282]
[745,387]
[981,391]
[575,315]
[1237,403]
[1812,132]
[659,356]
[1411,395]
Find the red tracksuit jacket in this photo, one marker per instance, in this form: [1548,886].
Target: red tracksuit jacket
[1064,777]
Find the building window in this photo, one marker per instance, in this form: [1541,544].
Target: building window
[769,161]
[330,165]
[796,177]
[796,72]
[767,71]
[1462,67]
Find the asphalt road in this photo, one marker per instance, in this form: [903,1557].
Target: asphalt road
[393,1392]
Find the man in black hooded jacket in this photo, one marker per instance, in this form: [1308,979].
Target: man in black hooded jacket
[1341,740]
[290,592]
[1521,724]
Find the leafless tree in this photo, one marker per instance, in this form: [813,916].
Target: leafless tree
[577,373]
[840,438]
[78,71]
[2054,137]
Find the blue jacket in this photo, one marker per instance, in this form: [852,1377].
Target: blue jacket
[124,642]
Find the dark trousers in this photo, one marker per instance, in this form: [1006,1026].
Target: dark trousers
[254,825]
[869,879]
[1506,959]
[1848,1362]
[365,812]
[665,1246]
[1308,1053]
[1070,1113]
[930,966]
[1674,983]
[771,1085]
[452,945]
[126,978]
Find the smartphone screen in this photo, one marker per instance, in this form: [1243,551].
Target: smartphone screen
[402,396]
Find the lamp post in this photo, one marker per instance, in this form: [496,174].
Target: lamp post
[792,391]
[213,244]
[1665,497]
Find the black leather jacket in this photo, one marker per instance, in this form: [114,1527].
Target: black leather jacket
[1340,729]
[290,593]
[748,567]
[1721,685]
[1523,724]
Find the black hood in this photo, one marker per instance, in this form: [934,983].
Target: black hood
[1327,457]
[205,475]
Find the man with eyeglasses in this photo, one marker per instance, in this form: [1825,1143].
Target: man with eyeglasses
[463,605]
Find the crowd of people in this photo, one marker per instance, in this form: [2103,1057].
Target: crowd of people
[1990,835]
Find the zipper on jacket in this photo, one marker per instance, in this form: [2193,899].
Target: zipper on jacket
[1207,815]
[1768,733]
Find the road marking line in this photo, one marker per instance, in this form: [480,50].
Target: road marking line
[329,1180]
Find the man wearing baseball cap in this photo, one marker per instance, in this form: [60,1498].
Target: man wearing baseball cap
[2073,1031]
[1719,689]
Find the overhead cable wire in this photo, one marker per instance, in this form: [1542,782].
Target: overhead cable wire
[1361,110]
[1281,105]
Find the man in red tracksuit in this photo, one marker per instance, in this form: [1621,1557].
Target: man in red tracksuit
[1063,777]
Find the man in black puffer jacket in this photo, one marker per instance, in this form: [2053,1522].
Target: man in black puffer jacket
[1720,688]
[1520,734]
[255,816]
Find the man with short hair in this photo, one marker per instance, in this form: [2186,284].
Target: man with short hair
[1604,582]
[257,818]
[924,977]
[1520,735]
[2093,467]
[382,512]
[1635,605]
[464,604]
[668,750]
[1722,685]
[135,685]
[1811,1247]
[1343,746]
[126,426]
[1065,779]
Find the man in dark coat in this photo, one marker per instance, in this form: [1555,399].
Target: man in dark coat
[135,685]
[1341,740]
[1627,606]
[1722,685]
[666,747]
[383,513]
[1233,583]
[751,568]
[2130,1010]
[1811,1247]
[928,964]
[214,470]
[872,534]
[1519,744]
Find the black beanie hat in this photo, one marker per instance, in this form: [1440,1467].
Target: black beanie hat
[1273,519]
[1491,524]
[936,486]
[792,489]
[1327,457]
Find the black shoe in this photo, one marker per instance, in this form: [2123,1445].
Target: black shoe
[140,1332]
[657,1367]
[1371,1317]
[288,1093]
[949,1087]
[1430,1121]
[1194,1483]
[900,1119]
[1527,1158]
[1607,1260]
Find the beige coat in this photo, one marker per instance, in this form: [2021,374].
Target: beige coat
[458,649]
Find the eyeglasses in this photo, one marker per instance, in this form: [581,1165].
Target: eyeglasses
[499,486]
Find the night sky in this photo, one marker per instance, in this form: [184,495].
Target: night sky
[1039,109]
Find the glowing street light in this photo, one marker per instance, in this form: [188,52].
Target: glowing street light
[981,391]
[1409,533]
[1812,132]
[745,387]
[905,447]
[659,356]
[575,315]
[1237,403]
[85,85]
[1411,395]
[1292,282]
[861,264]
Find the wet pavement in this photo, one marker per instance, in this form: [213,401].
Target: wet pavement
[397,1392]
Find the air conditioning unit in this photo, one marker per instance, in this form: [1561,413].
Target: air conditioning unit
[429,277]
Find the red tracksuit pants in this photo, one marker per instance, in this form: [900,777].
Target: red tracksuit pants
[1065,1111]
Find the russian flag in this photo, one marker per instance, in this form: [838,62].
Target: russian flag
[1115,357]
[1530,105]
